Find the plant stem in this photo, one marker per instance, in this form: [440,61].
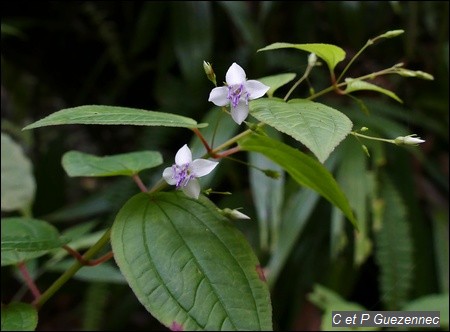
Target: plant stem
[139,183]
[387,71]
[369,42]
[372,138]
[39,302]
[29,280]
[301,79]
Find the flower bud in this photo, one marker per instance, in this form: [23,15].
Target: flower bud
[312,59]
[408,140]
[392,34]
[271,173]
[209,72]
[233,214]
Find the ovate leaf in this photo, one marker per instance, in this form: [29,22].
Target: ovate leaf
[77,163]
[331,54]
[276,81]
[305,170]
[18,316]
[189,266]
[320,127]
[114,115]
[27,238]
[18,185]
[358,85]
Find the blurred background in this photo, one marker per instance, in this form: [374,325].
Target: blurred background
[149,55]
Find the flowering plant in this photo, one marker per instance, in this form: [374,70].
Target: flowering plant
[182,256]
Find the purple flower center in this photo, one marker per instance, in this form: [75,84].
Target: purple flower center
[235,92]
[182,175]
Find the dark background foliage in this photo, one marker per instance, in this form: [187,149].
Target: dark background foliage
[149,54]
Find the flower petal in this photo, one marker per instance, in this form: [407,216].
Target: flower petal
[202,167]
[240,113]
[255,89]
[219,96]
[235,75]
[168,176]
[192,189]
[183,156]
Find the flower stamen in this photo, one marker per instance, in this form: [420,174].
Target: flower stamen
[235,92]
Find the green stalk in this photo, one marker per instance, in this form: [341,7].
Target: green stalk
[72,270]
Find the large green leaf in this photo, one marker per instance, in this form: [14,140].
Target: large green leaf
[305,170]
[358,85]
[18,185]
[77,163]
[188,265]
[19,316]
[114,115]
[276,81]
[27,238]
[331,54]
[321,128]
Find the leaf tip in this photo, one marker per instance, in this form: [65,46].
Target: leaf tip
[260,272]
[176,327]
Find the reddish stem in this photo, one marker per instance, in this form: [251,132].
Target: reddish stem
[205,143]
[87,262]
[227,153]
[28,280]
[139,183]
[210,151]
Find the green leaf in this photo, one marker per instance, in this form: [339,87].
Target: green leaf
[297,212]
[331,54]
[268,195]
[27,238]
[319,127]
[114,115]
[189,266]
[394,254]
[329,301]
[305,170]
[18,185]
[433,302]
[77,163]
[19,316]
[276,81]
[354,180]
[358,85]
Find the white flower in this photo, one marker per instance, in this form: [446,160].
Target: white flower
[237,92]
[184,173]
[408,140]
